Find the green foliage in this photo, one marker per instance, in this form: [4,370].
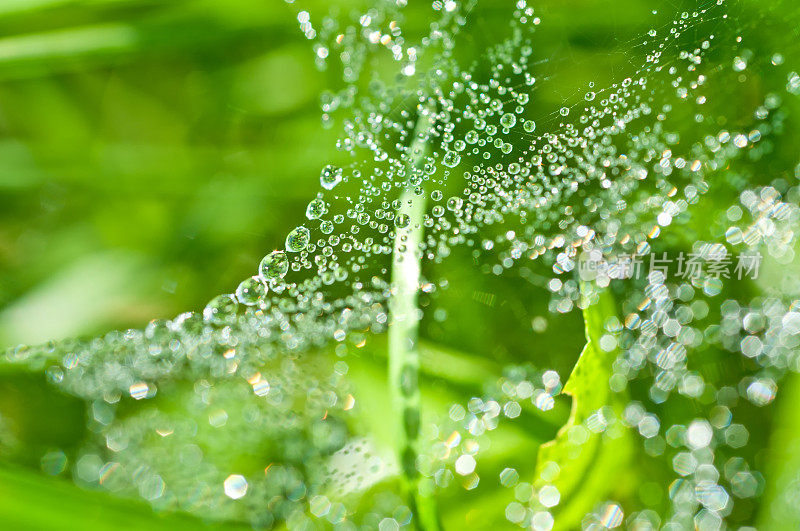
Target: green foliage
[150,153]
[578,461]
[31,501]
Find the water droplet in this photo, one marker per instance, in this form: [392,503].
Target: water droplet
[54,463]
[157,330]
[298,239]
[315,209]
[235,486]
[189,323]
[465,464]
[508,120]
[250,291]
[612,516]
[454,203]
[139,390]
[330,177]
[509,477]
[221,308]
[274,266]
[451,159]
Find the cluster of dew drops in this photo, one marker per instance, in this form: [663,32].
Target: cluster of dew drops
[636,192]
[603,177]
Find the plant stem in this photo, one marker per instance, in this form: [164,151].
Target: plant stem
[404,330]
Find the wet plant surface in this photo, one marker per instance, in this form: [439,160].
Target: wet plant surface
[535,266]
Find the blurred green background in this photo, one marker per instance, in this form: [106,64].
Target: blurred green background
[152,151]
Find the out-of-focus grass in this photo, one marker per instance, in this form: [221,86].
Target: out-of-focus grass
[31,501]
[151,152]
[180,140]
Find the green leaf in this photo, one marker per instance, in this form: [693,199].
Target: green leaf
[783,467]
[33,501]
[586,460]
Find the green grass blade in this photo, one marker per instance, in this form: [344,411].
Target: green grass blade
[404,332]
[32,501]
[583,468]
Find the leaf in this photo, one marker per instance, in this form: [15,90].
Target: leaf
[783,467]
[587,460]
[32,501]
[782,470]
[449,376]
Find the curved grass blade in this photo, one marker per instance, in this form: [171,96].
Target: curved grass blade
[587,451]
[403,334]
[32,501]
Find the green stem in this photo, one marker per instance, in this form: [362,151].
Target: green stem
[404,330]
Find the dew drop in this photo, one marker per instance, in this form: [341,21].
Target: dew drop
[330,177]
[235,486]
[250,291]
[454,203]
[315,209]
[139,390]
[508,120]
[298,239]
[326,227]
[451,159]
[274,266]
[221,308]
